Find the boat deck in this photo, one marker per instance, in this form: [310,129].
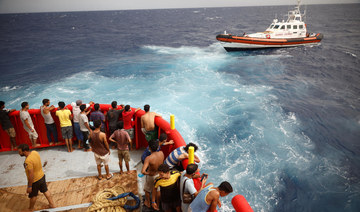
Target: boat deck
[71,178]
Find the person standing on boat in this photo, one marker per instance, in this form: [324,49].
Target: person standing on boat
[169,190]
[176,156]
[148,124]
[84,126]
[187,184]
[127,115]
[50,125]
[28,124]
[122,139]
[209,197]
[65,118]
[7,125]
[150,169]
[98,115]
[101,150]
[113,117]
[35,176]
[76,114]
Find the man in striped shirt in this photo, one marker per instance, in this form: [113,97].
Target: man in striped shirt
[175,157]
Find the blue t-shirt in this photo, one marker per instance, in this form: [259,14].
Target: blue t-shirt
[147,153]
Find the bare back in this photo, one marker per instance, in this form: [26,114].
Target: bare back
[147,121]
[155,160]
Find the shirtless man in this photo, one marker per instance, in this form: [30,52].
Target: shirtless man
[150,169]
[148,124]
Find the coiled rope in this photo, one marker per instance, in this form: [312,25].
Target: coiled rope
[112,200]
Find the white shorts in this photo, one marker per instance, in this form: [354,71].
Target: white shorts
[32,135]
[102,159]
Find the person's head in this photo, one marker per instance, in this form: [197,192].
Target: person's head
[78,102]
[23,149]
[97,124]
[163,137]
[127,107]
[153,145]
[61,105]
[2,104]
[146,108]
[25,105]
[96,106]
[114,104]
[164,171]
[189,145]
[225,188]
[46,102]
[120,125]
[191,169]
[82,108]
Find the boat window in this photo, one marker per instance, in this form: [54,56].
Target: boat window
[276,27]
[283,27]
[295,27]
[271,26]
[301,26]
[288,27]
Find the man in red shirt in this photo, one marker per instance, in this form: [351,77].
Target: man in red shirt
[127,115]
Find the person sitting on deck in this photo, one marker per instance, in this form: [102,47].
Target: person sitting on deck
[122,139]
[175,157]
[7,125]
[35,176]
[148,124]
[28,124]
[98,115]
[65,118]
[150,169]
[168,181]
[162,142]
[208,197]
[127,115]
[50,125]
[101,150]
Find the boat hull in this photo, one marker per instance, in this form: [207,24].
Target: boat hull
[243,43]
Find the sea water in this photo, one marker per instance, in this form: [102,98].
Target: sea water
[282,126]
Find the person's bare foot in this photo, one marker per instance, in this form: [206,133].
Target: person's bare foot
[121,172]
[147,203]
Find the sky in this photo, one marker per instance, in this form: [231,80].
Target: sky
[30,6]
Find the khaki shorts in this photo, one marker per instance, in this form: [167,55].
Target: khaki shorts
[149,183]
[32,135]
[102,159]
[124,155]
[11,132]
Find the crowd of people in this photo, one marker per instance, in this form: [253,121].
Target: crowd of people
[167,185]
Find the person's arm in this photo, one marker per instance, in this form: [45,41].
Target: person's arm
[142,122]
[214,201]
[145,166]
[28,125]
[153,199]
[196,159]
[70,116]
[137,109]
[202,186]
[129,141]
[111,138]
[87,126]
[105,142]
[158,115]
[168,142]
[183,156]
[30,180]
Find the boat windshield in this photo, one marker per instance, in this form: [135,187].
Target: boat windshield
[276,26]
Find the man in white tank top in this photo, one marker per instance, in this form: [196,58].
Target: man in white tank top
[49,121]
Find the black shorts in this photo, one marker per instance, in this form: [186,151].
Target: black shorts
[39,185]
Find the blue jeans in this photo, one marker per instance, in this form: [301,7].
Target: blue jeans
[51,129]
[78,132]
